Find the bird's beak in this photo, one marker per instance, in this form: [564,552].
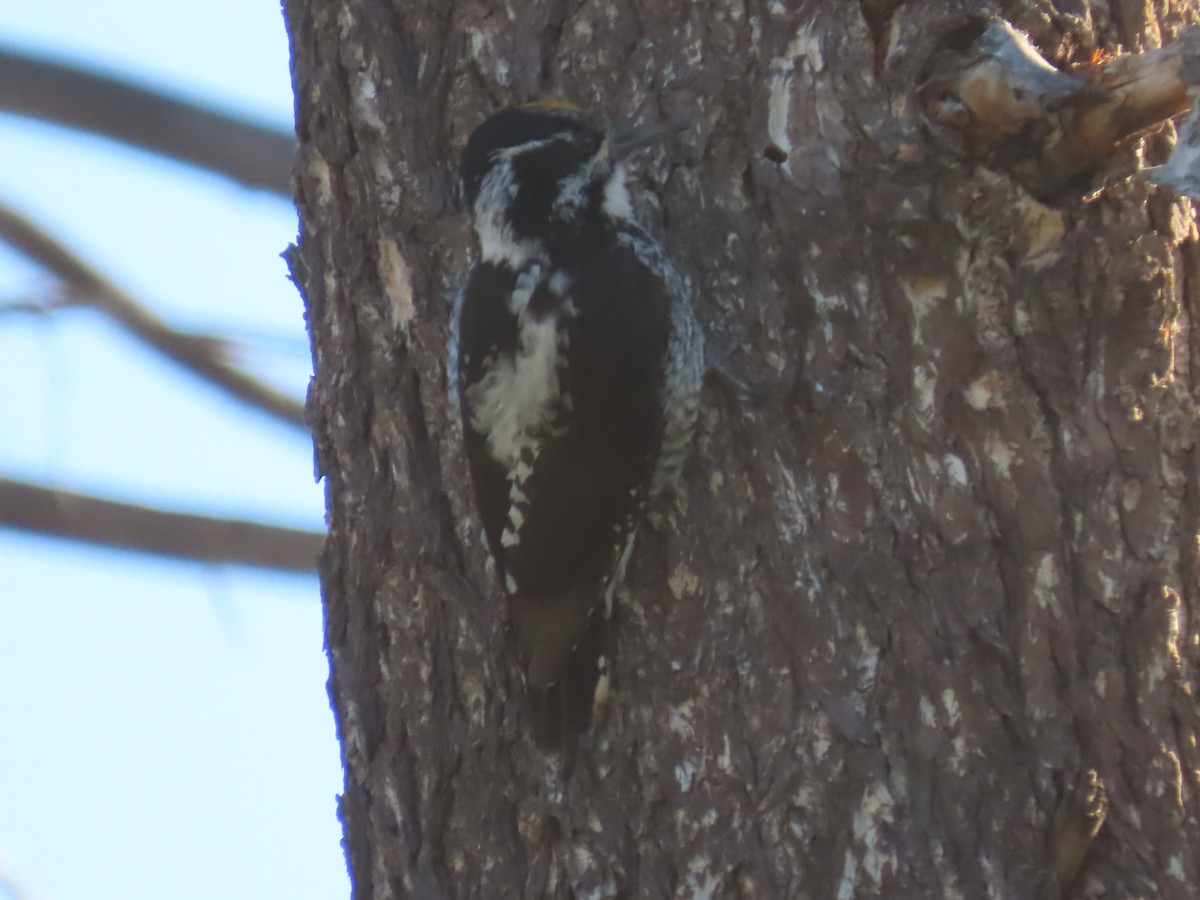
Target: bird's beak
[625,139]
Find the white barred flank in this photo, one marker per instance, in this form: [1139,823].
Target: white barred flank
[680,397]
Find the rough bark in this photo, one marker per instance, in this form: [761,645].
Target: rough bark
[914,611]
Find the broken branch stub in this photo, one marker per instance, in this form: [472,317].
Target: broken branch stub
[1010,109]
[1181,172]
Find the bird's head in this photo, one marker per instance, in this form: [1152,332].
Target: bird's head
[541,170]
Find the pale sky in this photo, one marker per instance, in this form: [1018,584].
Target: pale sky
[165,730]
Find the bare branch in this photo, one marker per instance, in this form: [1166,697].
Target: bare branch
[1145,89]
[254,155]
[203,356]
[9,886]
[94,520]
[27,307]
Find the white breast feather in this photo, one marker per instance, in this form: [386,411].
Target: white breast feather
[519,394]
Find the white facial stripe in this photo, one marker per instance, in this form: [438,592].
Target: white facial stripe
[497,243]
[572,190]
[616,196]
[499,188]
[517,149]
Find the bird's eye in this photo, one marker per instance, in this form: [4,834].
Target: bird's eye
[587,141]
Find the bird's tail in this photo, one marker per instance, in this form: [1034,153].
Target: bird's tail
[565,644]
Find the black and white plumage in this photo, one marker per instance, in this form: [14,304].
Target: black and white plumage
[579,365]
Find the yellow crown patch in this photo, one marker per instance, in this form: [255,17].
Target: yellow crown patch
[553,103]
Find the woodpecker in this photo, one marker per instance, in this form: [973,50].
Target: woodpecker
[579,363]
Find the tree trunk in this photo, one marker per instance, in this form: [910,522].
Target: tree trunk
[919,605]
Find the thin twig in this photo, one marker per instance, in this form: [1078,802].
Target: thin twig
[254,155]
[9,887]
[203,356]
[93,520]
